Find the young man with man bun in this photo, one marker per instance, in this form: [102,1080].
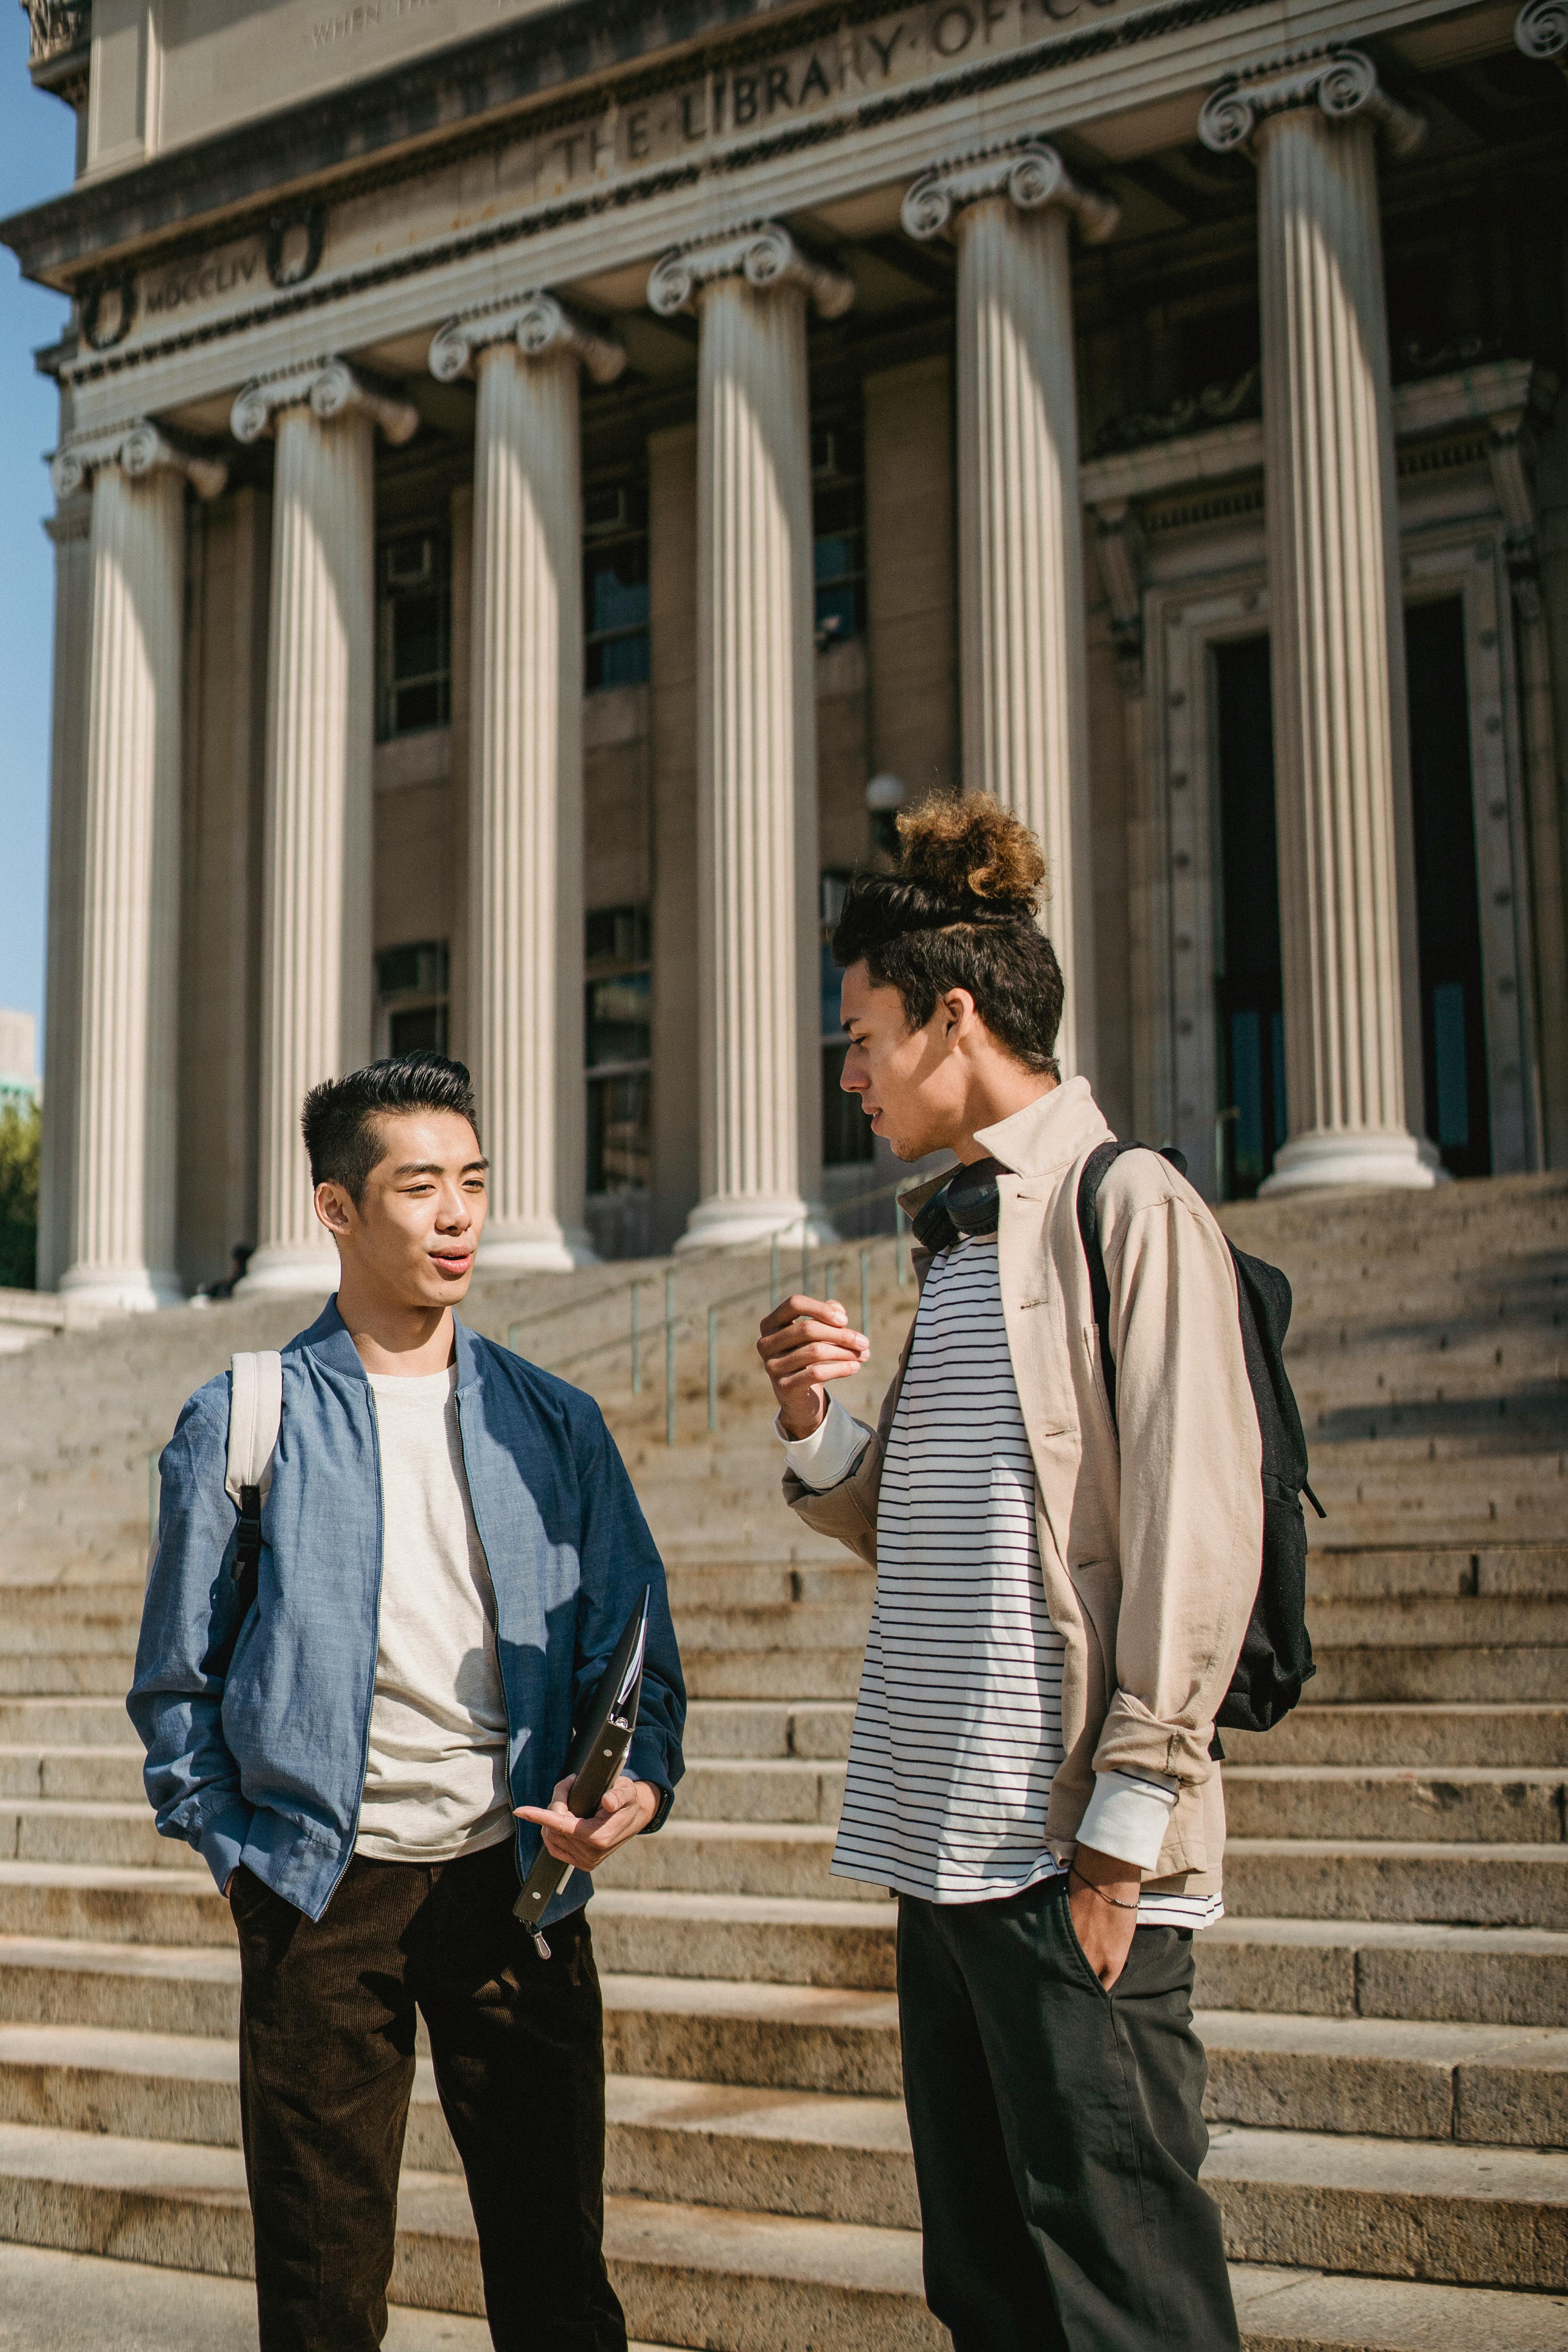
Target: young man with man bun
[1057,1616]
[369,1756]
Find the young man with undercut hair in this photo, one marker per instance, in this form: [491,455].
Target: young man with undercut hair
[369,1758]
[1056,1620]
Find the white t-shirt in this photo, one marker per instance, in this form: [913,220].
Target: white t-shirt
[436,1779]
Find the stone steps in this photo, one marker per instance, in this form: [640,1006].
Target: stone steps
[1382,2005]
[139,2076]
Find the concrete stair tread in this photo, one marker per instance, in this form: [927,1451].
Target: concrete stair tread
[718,1997]
[215,1964]
[1445,2043]
[1390,1849]
[1337,2162]
[55,2302]
[1402,1934]
[1464,1776]
[117,1877]
[1291,2310]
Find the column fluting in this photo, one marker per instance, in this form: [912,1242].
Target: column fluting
[525,815]
[757,834]
[1024,677]
[1337,642]
[123,1192]
[316,985]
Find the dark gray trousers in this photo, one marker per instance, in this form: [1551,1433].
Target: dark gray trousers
[1058,2133]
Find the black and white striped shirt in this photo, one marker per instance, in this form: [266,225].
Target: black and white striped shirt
[958,1731]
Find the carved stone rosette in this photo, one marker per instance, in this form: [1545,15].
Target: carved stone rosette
[329,388]
[764,255]
[1028,172]
[140,448]
[1541,30]
[1340,82]
[540,327]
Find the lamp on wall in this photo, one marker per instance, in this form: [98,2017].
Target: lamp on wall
[885,796]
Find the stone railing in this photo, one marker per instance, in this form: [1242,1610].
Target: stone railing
[58,26]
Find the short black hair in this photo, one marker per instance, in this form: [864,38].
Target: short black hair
[961,912]
[342,1116]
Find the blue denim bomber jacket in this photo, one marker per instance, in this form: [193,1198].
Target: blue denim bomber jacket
[267,1767]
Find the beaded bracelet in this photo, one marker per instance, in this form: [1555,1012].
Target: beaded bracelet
[1115,1900]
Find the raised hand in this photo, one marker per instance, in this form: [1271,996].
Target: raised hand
[804,1344]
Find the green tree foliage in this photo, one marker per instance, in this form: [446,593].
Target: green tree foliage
[18,1195]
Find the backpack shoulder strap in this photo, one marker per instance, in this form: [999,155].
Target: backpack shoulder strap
[255,1418]
[1095,1170]
[1089,1183]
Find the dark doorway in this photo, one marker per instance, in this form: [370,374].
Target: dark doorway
[1248,992]
[1447,908]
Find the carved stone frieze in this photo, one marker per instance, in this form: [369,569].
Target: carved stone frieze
[138,447]
[1028,172]
[537,324]
[1217,404]
[329,386]
[763,254]
[1340,82]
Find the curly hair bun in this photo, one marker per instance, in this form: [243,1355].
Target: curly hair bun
[971,847]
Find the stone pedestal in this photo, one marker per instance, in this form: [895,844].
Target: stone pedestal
[525,808]
[122,1201]
[759,1038]
[316,986]
[1021,599]
[1337,640]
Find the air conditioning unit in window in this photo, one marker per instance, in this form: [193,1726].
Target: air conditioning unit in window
[409,563]
[605,511]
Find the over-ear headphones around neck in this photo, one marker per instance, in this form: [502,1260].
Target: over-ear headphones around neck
[967,1205]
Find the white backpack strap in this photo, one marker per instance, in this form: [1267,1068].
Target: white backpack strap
[255,1417]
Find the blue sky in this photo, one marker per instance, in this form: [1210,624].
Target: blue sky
[37,144]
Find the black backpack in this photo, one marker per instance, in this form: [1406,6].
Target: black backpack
[1275,1658]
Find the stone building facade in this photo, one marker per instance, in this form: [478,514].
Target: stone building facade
[539,485]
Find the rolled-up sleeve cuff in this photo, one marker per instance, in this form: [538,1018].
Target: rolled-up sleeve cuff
[827,1457]
[648,1760]
[222,1840]
[1128,1816]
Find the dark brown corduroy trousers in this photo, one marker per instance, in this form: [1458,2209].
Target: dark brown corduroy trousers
[326,2066]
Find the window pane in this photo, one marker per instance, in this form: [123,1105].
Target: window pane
[620,1157]
[421,1030]
[619,1013]
[618,661]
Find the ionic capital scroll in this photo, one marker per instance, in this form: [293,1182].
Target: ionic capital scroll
[140,448]
[331,388]
[1541,30]
[1340,82]
[540,327]
[1028,171]
[763,254]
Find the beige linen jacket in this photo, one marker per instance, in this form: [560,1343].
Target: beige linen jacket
[1149,1550]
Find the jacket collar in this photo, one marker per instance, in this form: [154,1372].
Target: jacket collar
[1050,1134]
[328,1340]
[1046,1136]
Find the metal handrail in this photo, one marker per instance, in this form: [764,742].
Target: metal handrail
[633,1283]
[674,1320]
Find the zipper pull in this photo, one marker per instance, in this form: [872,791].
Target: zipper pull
[539,1946]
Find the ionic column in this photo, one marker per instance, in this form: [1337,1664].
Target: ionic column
[525,807]
[757,857]
[1541,30]
[122,1196]
[69,529]
[1024,688]
[1337,626]
[316,887]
